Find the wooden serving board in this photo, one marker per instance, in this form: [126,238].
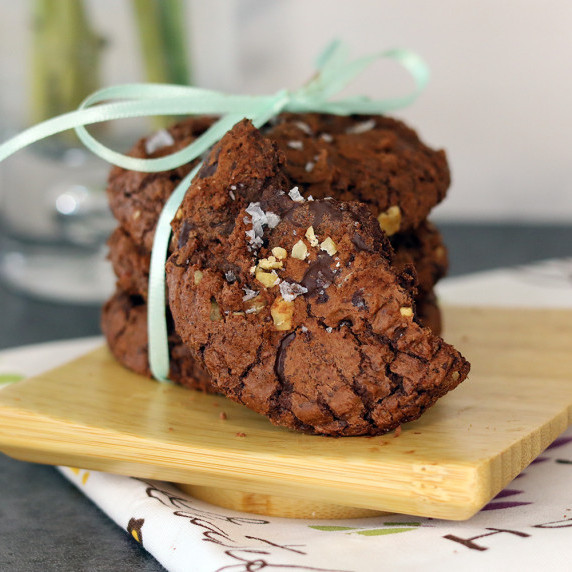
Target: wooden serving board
[94,414]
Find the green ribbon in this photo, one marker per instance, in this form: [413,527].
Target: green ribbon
[335,71]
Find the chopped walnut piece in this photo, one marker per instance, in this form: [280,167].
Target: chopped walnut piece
[267,279]
[279,252]
[390,220]
[329,246]
[310,235]
[215,315]
[406,311]
[299,250]
[198,276]
[269,263]
[282,312]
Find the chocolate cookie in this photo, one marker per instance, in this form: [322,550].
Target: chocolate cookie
[293,306]
[124,324]
[375,160]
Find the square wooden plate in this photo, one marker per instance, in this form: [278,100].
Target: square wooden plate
[94,414]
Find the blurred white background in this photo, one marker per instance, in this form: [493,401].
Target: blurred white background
[498,102]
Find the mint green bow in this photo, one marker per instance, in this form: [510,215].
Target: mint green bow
[334,71]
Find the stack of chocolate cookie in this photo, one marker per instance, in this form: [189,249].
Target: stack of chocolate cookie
[301,272]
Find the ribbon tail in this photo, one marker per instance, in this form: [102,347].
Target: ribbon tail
[332,56]
[158,342]
[48,128]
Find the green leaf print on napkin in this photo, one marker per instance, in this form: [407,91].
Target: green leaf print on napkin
[392,528]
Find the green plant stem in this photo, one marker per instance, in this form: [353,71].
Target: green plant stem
[176,45]
[65,57]
[161,29]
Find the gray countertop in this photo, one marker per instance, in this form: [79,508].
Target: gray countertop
[47,524]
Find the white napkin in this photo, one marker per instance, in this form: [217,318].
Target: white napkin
[528,526]
[547,284]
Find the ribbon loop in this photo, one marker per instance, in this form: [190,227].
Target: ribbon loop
[335,71]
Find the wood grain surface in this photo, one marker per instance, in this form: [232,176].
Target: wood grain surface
[94,414]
